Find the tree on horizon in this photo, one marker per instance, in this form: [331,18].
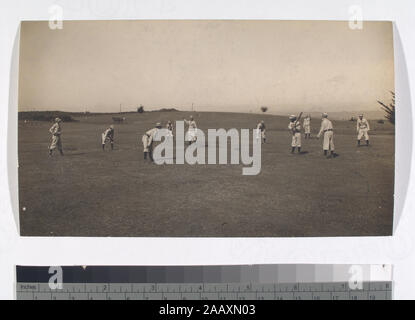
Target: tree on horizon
[389,109]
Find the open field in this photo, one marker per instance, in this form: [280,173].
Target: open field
[89,192]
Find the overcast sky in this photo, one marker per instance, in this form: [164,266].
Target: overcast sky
[217,65]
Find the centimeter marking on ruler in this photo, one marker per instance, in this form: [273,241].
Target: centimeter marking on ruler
[205,291]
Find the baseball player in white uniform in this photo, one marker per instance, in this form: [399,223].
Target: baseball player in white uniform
[192,131]
[295,128]
[108,136]
[327,131]
[169,127]
[260,131]
[307,127]
[148,141]
[56,131]
[362,128]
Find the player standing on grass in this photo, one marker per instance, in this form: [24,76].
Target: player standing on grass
[192,131]
[108,135]
[56,131]
[362,128]
[307,127]
[295,128]
[328,135]
[169,127]
[260,131]
[148,141]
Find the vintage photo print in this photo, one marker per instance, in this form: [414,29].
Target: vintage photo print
[206,128]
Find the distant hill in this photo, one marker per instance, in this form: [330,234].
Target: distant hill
[46,116]
[346,115]
[71,116]
[165,110]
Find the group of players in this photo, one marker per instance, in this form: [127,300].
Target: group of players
[326,131]
[294,126]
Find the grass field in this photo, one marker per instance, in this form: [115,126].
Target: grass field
[89,192]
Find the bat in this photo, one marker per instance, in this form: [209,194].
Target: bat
[298,118]
[296,121]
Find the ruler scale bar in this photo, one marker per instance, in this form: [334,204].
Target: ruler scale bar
[108,291]
[269,282]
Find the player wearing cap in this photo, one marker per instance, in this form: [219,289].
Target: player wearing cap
[307,127]
[260,131]
[192,131]
[326,130]
[169,127]
[148,141]
[108,136]
[56,131]
[295,127]
[362,128]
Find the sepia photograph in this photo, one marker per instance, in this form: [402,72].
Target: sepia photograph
[206,128]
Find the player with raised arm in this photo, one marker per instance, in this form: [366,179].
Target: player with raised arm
[108,136]
[56,131]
